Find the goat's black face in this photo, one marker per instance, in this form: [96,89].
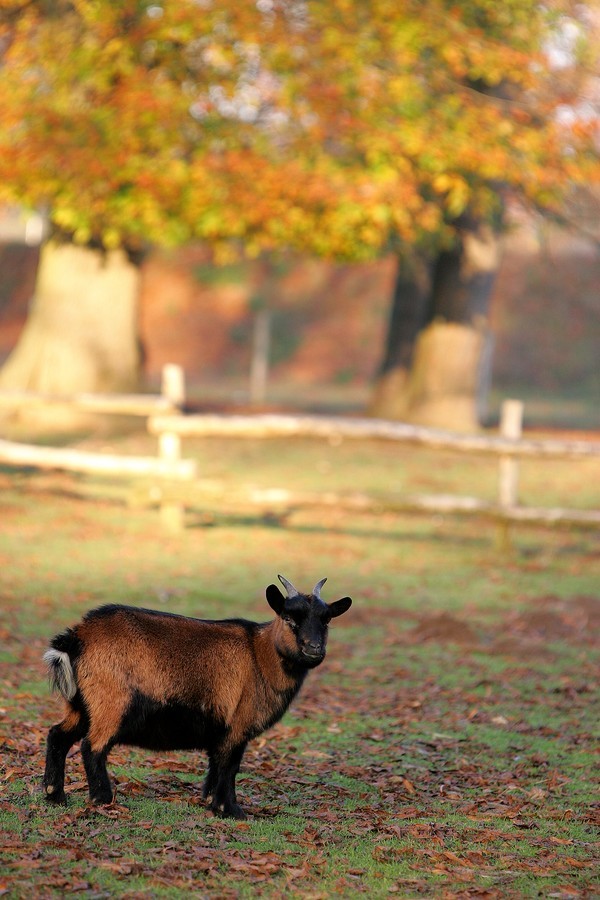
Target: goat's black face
[305,619]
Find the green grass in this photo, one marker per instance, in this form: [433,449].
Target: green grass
[444,749]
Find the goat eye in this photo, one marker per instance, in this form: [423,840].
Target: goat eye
[289,621]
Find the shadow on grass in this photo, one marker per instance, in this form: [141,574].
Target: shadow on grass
[283,522]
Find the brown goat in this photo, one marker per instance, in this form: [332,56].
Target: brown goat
[167,682]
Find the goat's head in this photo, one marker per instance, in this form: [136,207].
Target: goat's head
[304,620]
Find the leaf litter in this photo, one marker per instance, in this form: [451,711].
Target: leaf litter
[448,785]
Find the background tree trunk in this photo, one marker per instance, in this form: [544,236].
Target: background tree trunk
[438,347]
[409,315]
[81,333]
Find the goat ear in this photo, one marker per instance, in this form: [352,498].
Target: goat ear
[339,606]
[275,599]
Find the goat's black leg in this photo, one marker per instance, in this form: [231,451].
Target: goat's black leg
[224,802]
[60,740]
[210,781]
[95,768]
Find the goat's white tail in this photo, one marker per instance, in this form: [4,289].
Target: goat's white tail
[60,671]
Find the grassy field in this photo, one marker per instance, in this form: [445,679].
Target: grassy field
[444,749]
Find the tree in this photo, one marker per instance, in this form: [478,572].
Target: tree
[473,89]
[438,347]
[99,127]
[343,129]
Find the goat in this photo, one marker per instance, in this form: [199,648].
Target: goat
[162,681]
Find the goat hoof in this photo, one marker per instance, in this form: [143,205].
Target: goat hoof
[229,811]
[236,812]
[101,800]
[54,796]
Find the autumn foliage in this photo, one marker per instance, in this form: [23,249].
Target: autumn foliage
[334,128]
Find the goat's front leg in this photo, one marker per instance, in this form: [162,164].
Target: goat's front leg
[227,763]
[94,762]
[210,781]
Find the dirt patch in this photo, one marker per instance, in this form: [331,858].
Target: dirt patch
[371,615]
[552,618]
[546,620]
[442,628]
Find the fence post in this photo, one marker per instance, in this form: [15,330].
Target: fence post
[173,384]
[259,365]
[511,427]
[169,444]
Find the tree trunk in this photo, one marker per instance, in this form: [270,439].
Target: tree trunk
[81,333]
[438,343]
[409,314]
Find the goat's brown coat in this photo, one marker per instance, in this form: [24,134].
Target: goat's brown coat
[163,658]
[212,663]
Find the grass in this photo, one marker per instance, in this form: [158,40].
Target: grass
[444,749]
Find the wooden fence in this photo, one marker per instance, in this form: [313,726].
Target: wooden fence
[167,465]
[508,448]
[170,425]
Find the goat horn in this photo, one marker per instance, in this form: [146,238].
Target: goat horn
[291,590]
[317,588]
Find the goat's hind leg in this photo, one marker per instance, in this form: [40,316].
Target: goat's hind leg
[61,738]
[106,720]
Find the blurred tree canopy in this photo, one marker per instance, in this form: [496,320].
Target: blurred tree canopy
[333,127]
[343,128]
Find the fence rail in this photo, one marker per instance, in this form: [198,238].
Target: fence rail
[167,465]
[169,401]
[14,454]
[509,447]
[166,420]
[111,404]
[269,425]
[281,502]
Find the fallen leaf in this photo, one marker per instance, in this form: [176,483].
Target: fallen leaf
[409,786]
